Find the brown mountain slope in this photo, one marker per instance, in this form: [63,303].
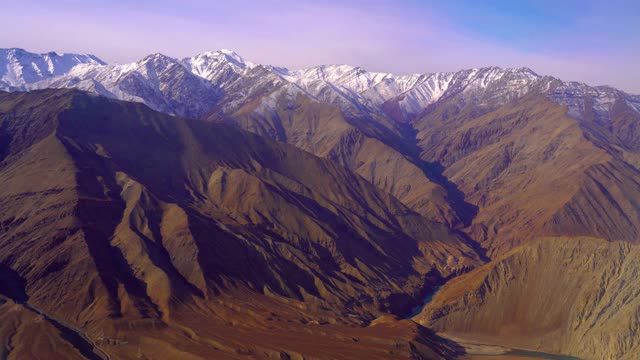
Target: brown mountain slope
[507,172]
[230,329]
[366,144]
[563,295]
[532,170]
[120,221]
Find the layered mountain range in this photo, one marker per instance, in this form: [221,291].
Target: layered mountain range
[171,197]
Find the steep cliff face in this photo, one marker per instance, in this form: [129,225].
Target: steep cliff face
[575,296]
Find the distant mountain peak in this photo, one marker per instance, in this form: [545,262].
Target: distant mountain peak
[230,52]
[221,66]
[225,55]
[19,67]
[158,58]
[528,70]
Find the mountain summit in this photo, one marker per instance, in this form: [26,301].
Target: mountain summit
[19,67]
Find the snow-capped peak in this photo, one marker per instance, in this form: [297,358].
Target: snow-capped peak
[351,78]
[223,55]
[19,67]
[236,57]
[218,66]
[157,56]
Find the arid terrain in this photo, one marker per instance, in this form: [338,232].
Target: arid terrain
[213,208]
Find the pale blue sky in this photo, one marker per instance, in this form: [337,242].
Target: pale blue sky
[597,42]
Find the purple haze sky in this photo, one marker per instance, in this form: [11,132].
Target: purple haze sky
[596,42]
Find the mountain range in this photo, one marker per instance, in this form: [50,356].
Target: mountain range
[162,83]
[213,205]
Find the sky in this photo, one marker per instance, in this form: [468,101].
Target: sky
[597,42]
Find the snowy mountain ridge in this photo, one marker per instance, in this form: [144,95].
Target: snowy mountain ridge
[193,86]
[19,67]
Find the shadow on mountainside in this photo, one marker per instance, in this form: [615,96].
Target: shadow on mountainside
[406,142]
[465,210]
[434,171]
[12,285]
